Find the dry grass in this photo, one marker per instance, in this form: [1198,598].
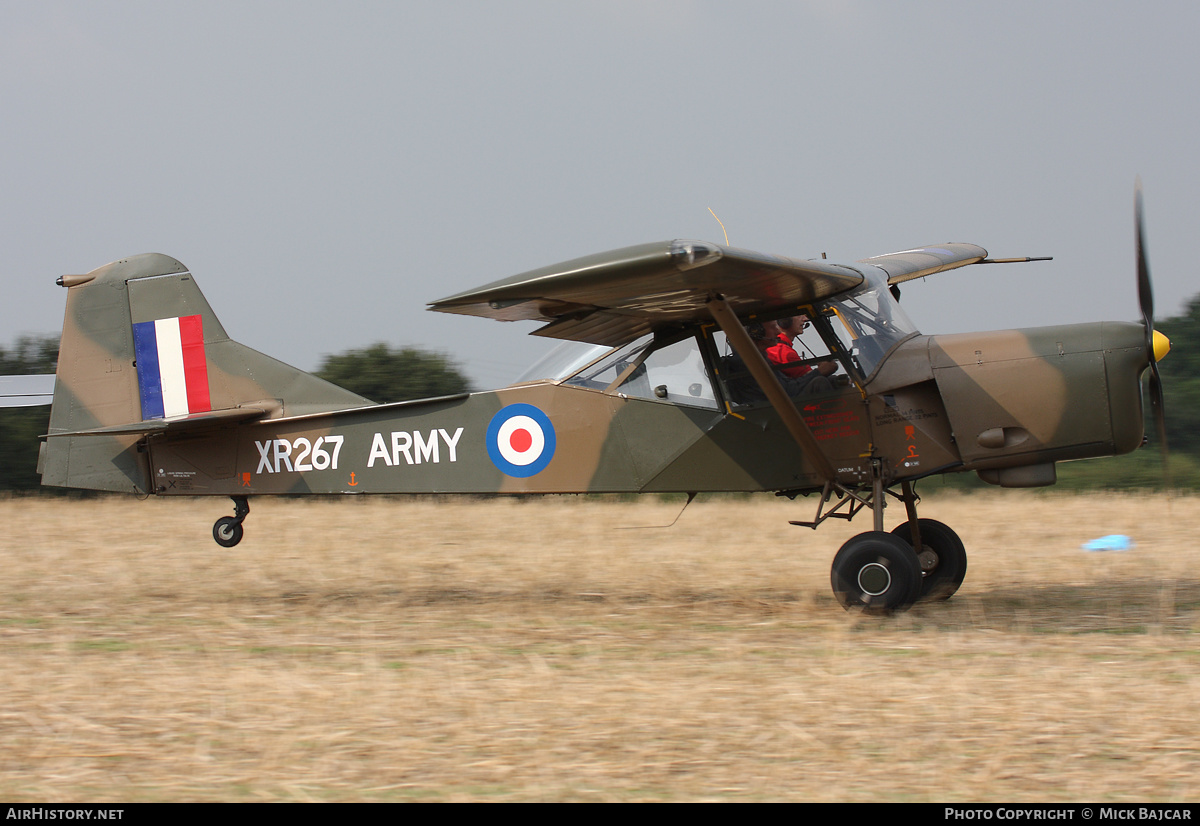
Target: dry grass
[503,650]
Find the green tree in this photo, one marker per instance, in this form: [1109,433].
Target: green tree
[1180,372]
[29,356]
[384,375]
[20,427]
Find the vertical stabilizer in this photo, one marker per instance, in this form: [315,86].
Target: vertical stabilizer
[139,343]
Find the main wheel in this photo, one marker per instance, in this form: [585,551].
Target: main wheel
[877,572]
[227,531]
[942,556]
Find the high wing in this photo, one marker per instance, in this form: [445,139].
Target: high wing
[614,297]
[917,263]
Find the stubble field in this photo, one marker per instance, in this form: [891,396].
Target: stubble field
[416,649]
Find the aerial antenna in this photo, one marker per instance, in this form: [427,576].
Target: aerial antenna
[722,226]
[691,496]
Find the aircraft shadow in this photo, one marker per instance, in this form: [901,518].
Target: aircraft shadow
[1116,607]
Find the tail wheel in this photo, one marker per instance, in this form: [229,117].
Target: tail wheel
[942,556]
[876,572]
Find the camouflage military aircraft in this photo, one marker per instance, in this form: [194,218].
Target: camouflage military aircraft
[659,387]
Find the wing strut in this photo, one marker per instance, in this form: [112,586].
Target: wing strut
[739,339]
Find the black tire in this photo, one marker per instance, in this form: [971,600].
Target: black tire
[943,557]
[227,531]
[877,572]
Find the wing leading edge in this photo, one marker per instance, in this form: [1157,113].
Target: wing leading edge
[613,297]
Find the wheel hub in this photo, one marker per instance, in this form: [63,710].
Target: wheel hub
[874,579]
[928,559]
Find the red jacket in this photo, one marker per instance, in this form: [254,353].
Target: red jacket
[784,353]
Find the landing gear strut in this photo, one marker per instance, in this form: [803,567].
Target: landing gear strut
[227,530]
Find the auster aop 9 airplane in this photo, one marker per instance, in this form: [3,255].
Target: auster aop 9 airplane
[660,388]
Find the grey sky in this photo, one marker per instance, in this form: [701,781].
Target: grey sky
[325,169]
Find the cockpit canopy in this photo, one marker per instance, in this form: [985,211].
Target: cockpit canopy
[857,330]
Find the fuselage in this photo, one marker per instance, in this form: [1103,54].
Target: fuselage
[660,413]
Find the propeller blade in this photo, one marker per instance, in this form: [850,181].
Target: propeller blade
[1156,403]
[1146,302]
[1160,420]
[1145,290]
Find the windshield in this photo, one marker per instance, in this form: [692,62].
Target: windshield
[869,322]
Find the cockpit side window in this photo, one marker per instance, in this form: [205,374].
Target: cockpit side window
[601,374]
[567,359]
[796,349]
[672,371]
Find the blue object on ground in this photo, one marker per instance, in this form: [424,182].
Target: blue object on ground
[1112,542]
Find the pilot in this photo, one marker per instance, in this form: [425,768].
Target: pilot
[782,353]
[766,336]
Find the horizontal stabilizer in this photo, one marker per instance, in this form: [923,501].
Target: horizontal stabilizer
[26,391]
[195,421]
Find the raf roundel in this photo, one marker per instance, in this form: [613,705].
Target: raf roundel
[520,440]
